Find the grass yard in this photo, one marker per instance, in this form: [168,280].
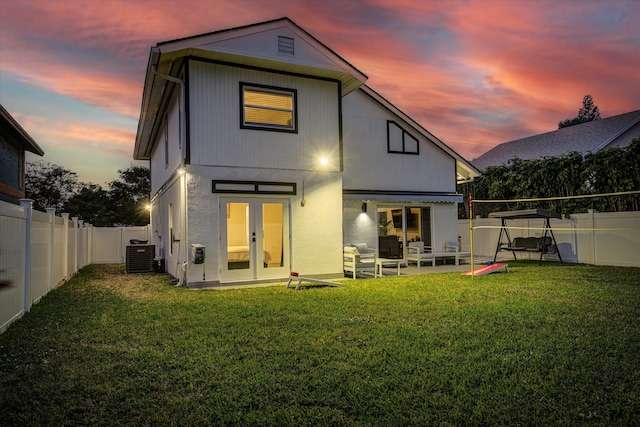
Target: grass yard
[550,345]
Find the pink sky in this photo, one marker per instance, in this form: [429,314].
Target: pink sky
[474,73]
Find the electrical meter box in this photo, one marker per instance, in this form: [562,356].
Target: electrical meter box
[197,253]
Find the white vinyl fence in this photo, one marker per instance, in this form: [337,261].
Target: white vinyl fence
[607,238]
[39,251]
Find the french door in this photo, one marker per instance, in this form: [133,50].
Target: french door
[254,239]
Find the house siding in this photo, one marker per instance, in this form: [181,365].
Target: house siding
[350,131]
[170,199]
[160,173]
[216,138]
[315,228]
[368,165]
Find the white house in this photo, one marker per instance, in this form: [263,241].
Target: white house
[268,151]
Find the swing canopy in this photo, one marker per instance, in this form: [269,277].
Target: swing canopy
[525,214]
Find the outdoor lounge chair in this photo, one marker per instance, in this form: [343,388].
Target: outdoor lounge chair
[358,258]
[417,252]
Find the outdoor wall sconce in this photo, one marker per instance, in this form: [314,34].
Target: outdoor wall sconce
[364,207]
[323,162]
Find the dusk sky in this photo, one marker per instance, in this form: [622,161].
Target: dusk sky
[474,73]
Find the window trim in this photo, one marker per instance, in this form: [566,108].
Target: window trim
[269,89]
[404,141]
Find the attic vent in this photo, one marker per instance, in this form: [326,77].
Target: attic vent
[285,45]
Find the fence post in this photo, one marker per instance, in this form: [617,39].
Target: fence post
[65,244]
[52,247]
[120,252]
[81,244]
[90,244]
[594,254]
[27,204]
[75,244]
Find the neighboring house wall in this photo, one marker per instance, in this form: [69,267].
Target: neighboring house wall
[14,141]
[11,170]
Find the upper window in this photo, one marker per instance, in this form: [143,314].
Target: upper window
[399,140]
[268,108]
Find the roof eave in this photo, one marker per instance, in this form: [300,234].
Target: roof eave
[21,135]
[469,171]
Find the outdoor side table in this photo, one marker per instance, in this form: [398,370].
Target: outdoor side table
[381,261]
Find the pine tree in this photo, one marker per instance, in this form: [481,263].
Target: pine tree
[587,113]
[589,110]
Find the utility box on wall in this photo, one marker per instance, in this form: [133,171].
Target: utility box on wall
[139,258]
[197,253]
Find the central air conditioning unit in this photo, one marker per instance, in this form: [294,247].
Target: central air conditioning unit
[140,258]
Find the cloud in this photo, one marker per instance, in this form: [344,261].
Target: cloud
[91,138]
[475,73]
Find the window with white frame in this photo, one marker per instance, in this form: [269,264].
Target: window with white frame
[399,140]
[268,108]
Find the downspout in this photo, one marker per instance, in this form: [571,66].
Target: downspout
[185,240]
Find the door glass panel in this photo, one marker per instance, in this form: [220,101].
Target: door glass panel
[425,225]
[418,225]
[273,232]
[238,238]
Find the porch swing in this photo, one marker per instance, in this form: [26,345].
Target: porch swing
[544,245]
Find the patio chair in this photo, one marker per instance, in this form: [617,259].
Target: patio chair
[417,252]
[358,258]
[454,249]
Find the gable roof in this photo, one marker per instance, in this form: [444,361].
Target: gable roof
[584,138]
[18,134]
[253,46]
[464,169]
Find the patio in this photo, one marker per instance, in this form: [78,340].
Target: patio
[405,270]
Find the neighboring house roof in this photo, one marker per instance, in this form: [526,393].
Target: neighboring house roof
[590,137]
[10,125]
[464,169]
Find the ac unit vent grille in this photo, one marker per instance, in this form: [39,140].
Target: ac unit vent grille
[140,258]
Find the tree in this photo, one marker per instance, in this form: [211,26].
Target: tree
[587,113]
[91,204]
[610,170]
[49,185]
[129,196]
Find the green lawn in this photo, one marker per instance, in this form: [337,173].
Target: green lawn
[549,345]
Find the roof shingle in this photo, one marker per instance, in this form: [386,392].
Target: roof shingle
[583,138]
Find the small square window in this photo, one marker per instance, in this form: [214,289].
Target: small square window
[268,108]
